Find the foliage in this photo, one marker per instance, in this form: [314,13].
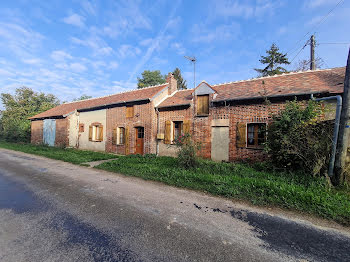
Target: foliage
[304,65]
[187,153]
[273,60]
[82,97]
[15,125]
[181,83]
[150,78]
[263,187]
[65,154]
[294,142]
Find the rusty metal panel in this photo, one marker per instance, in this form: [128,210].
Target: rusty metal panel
[49,132]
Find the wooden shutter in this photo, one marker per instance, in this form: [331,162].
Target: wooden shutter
[187,127]
[167,135]
[100,138]
[203,105]
[130,111]
[241,138]
[114,136]
[90,133]
[127,144]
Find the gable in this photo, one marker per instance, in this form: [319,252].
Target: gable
[204,89]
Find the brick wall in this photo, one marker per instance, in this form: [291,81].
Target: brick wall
[144,116]
[37,132]
[61,132]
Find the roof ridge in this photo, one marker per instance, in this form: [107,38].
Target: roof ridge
[122,92]
[284,74]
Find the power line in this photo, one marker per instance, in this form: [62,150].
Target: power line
[333,43]
[301,49]
[317,25]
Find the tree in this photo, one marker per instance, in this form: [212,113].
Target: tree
[150,78]
[304,65]
[181,83]
[83,97]
[273,60]
[18,108]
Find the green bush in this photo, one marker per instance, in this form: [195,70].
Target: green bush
[297,140]
[187,153]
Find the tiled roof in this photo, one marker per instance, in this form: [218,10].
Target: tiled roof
[289,84]
[129,96]
[308,82]
[180,98]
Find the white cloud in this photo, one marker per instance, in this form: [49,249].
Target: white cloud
[97,44]
[318,3]
[200,33]
[32,61]
[128,51]
[146,42]
[247,9]
[59,55]
[178,47]
[75,19]
[78,67]
[89,7]
[113,65]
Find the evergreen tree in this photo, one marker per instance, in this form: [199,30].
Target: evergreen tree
[273,60]
[181,83]
[82,97]
[150,78]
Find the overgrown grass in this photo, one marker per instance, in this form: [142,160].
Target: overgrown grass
[291,191]
[65,154]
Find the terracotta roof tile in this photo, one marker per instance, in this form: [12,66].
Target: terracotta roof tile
[182,97]
[318,81]
[129,96]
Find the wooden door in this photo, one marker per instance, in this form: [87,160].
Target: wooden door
[139,140]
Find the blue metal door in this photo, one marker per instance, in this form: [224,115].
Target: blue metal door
[49,132]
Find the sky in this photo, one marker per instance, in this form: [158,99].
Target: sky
[97,48]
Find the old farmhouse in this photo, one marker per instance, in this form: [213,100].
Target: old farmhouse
[228,119]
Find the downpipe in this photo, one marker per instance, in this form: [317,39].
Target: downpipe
[335,130]
[157,140]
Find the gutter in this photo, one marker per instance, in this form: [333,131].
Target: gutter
[335,130]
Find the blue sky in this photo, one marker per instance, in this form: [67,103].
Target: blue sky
[97,48]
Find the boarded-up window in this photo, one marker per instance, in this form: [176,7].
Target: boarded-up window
[256,134]
[167,135]
[203,105]
[81,128]
[241,135]
[121,135]
[129,111]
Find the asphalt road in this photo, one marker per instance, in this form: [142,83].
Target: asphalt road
[55,211]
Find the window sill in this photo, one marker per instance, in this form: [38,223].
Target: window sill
[204,115]
[255,147]
[120,144]
[95,141]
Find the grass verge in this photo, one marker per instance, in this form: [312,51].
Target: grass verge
[291,191]
[65,154]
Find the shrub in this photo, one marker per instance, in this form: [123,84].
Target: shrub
[297,140]
[187,153]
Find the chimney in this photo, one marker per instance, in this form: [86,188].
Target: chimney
[172,83]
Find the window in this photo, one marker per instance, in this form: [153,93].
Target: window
[177,129]
[140,132]
[81,128]
[203,105]
[129,111]
[96,132]
[121,136]
[256,134]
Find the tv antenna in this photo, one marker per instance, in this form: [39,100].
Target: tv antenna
[193,60]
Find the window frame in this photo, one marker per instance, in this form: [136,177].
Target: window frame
[256,132]
[119,142]
[173,129]
[97,128]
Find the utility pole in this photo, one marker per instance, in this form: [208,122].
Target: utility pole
[344,131]
[312,53]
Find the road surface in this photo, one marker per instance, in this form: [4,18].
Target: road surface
[56,211]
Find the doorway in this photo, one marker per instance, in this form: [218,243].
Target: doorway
[220,143]
[140,134]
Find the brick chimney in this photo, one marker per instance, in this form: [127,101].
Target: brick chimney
[172,83]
